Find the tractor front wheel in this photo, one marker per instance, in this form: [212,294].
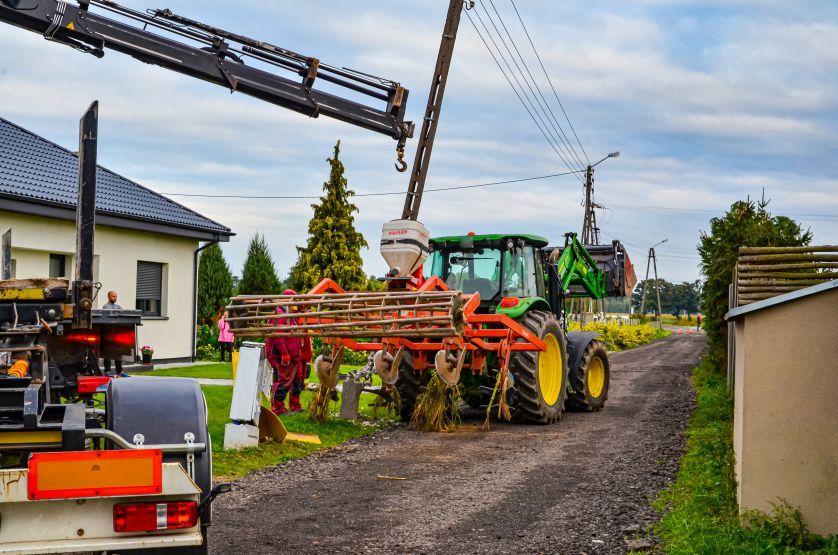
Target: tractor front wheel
[590,379]
[540,376]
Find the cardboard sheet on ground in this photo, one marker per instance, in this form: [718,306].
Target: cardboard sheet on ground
[271,427]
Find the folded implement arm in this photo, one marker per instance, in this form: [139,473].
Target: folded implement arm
[576,270]
[163,38]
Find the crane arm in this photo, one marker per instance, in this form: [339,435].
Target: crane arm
[432,112]
[180,44]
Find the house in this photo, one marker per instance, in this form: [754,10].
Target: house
[785,386]
[146,245]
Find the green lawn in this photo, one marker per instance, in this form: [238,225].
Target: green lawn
[217,370]
[701,512]
[335,431]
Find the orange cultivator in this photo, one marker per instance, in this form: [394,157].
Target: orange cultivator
[436,325]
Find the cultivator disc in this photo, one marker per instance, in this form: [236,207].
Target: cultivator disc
[402,314]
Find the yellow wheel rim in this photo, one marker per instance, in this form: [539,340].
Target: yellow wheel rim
[550,370]
[596,377]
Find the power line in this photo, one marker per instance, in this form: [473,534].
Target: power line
[515,90]
[382,194]
[560,132]
[549,80]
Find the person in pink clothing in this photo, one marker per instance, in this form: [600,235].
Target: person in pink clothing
[225,336]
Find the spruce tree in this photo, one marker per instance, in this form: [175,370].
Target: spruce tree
[334,246]
[215,283]
[259,274]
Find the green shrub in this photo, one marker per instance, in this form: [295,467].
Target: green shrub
[207,352]
[619,338]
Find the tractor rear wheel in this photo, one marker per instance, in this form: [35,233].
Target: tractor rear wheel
[590,379]
[408,385]
[540,376]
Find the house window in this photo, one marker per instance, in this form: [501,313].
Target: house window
[14,269]
[149,288]
[57,265]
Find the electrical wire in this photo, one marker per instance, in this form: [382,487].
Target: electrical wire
[382,194]
[549,80]
[508,80]
[554,121]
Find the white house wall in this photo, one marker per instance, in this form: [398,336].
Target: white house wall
[115,266]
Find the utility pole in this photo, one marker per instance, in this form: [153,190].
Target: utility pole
[590,231]
[652,261]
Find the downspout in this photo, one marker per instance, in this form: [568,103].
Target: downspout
[195,294]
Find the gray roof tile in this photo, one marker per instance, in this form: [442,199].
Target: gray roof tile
[33,168]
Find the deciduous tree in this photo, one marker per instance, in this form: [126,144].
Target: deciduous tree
[746,224]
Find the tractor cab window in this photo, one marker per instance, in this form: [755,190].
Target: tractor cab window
[477,271]
[520,273]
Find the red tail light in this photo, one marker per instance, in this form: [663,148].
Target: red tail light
[87,385]
[509,302]
[148,517]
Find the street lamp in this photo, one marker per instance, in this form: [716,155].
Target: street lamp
[661,243]
[612,155]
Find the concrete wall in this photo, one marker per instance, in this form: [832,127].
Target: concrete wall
[785,419]
[115,266]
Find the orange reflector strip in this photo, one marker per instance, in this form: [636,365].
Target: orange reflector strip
[95,473]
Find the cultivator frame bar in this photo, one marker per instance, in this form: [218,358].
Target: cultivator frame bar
[432,318]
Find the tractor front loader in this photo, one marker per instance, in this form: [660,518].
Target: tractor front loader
[488,318]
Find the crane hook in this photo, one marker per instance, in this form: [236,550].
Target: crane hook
[401,166]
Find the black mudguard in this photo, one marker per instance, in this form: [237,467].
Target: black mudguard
[163,410]
[577,342]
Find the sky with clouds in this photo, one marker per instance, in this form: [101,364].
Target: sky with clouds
[708,102]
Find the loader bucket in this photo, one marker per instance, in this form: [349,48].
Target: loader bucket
[613,260]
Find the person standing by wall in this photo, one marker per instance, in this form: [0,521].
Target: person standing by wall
[225,336]
[698,323]
[111,305]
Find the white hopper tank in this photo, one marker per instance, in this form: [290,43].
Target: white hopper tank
[404,246]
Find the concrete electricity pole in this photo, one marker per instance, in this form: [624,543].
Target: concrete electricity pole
[652,261]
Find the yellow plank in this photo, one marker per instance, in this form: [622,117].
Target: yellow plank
[305,438]
[22,295]
[28,438]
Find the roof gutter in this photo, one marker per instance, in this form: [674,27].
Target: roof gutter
[195,294]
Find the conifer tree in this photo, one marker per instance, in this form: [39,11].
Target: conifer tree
[215,283]
[334,246]
[259,274]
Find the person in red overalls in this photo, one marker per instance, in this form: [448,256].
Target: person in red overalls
[288,356]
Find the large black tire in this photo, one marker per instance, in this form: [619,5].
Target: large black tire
[590,379]
[408,386]
[540,377]
[163,410]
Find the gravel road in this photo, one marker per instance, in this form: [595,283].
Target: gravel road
[581,486]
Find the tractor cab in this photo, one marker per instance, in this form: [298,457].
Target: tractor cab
[502,268]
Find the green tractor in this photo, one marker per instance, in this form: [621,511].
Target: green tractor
[520,276]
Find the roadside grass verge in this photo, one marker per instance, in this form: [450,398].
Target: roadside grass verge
[701,514]
[620,338]
[233,464]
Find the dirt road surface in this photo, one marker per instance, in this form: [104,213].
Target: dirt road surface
[581,486]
